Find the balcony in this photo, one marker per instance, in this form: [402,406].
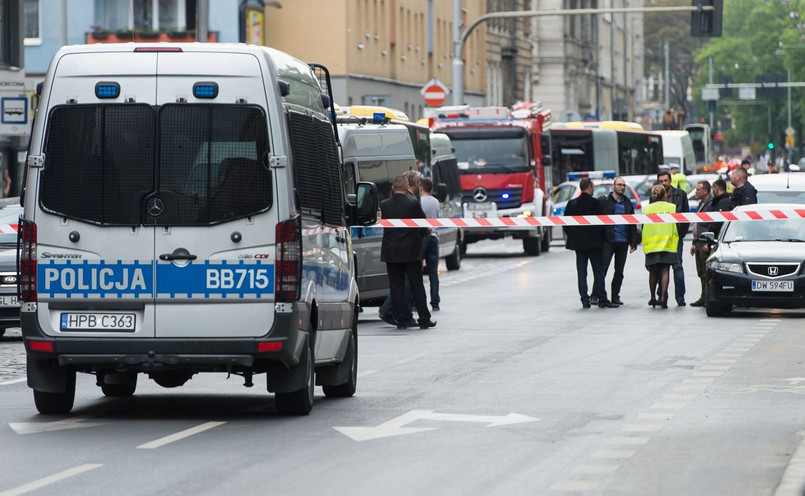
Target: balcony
[102,36]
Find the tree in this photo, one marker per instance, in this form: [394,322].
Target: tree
[673,28]
[749,48]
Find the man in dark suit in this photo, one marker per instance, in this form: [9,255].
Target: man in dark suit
[588,242]
[403,251]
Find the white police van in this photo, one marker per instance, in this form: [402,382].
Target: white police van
[185,212]
[374,151]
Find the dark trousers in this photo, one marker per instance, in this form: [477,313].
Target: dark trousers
[432,267]
[619,252]
[679,274]
[593,256]
[397,273]
[701,258]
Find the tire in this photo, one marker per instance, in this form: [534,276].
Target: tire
[2,331]
[546,239]
[532,246]
[57,403]
[299,402]
[453,261]
[121,390]
[347,389]
[715,310]
[463,245]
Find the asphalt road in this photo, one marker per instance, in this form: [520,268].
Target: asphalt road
[518,390]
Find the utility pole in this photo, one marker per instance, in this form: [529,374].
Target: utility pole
[458,64]
[710,80]
[202,18]
[667,85]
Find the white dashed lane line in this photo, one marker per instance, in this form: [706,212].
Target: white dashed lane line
[653,421]
[51,479]
[158,443]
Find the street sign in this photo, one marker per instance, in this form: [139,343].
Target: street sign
[789,141]
[434,92]
[789,131]
[709,93]
[746,93]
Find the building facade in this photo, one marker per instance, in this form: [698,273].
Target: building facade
[380,52]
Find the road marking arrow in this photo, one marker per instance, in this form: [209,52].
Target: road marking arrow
[58,425]
[396,426]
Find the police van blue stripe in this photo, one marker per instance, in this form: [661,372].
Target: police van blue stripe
[122,279]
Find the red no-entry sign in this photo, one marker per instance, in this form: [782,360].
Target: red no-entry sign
[434,95]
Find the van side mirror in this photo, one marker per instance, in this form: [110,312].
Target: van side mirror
[546,161]
[441,192]
[364,211]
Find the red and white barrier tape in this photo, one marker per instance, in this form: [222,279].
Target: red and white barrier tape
[8,228]
[600,220]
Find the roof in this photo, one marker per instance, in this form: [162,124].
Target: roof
[784,180]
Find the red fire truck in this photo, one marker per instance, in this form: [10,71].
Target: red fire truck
[504,157]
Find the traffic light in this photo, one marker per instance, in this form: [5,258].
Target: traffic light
[771,146]
[712,105]
[706,23]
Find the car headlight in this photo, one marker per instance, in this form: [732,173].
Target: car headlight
[726,266]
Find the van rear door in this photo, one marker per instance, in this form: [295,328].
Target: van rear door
[94,258]
[212,207]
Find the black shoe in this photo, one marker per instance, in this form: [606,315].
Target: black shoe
[698,303]
[388,319]
[585,304]
[680,302]
[604,303]
[617,301]
[435,308]
[594,300]
[427,324]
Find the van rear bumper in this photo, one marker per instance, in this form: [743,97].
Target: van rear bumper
[171,353]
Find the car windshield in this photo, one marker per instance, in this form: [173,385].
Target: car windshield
[9,215]
[494,155]
[786,196]
[766,230]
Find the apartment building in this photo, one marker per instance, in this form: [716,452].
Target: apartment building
[381,52]
[589,66]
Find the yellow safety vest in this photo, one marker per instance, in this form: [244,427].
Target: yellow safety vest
[660,237]
[679,180]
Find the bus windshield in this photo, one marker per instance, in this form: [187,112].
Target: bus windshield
[501,151]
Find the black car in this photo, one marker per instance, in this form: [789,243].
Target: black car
[10,211]
[757,264]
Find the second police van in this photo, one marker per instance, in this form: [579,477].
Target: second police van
[185,212]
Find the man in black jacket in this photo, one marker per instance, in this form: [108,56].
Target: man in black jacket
[721,203]
[403,251]
[587,242]
[743,193]
[620,239]
[700,249]
[679,198]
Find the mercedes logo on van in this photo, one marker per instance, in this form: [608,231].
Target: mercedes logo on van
[773,271]
[479,194]
[155,207]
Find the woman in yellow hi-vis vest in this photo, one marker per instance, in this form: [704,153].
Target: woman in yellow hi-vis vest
[659,244]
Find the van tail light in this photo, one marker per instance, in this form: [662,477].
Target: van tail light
[26,261]
[288,270]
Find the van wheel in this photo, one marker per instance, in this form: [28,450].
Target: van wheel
[125,385]
[453,261]
[299,402]
[348,388]
[57,403]
[546,239]
[532,246]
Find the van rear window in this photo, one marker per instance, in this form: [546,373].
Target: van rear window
[205,162]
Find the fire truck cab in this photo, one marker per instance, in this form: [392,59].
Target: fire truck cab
[504,160]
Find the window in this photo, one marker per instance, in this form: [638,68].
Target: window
[150,15]
[31,22]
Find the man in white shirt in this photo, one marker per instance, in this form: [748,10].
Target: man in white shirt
[430,205]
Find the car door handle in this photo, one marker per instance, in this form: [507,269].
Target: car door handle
[177,256]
